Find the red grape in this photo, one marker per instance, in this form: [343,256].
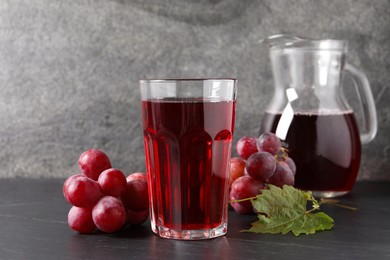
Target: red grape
[137,217]
[137,176]
[72,177]
[246,146]
[109,214]
[80,220]
[81,191]
[242,188]
[93,162]
[244,208]
[261,166]
[283,175]
[112,182]
[269,142]
[291,163]
[237,167]
[135,196]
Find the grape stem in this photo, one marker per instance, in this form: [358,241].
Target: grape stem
[316,204]
[336,203]
[281,155]
[242,200]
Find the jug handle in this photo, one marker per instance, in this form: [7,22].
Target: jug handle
[370,124]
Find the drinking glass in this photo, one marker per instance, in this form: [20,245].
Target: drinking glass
[188,129]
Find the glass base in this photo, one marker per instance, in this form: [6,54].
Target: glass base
[190,234]
[328,194]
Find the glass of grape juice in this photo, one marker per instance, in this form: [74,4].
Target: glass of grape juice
[188,128]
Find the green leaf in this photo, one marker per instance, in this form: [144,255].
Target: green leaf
[285,210]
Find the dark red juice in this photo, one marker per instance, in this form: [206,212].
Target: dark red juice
[188,146]
[325,147]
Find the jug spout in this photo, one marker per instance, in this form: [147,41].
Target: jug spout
[280,39]
[288,41]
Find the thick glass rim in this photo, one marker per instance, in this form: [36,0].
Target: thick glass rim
[185,80]
[220,88]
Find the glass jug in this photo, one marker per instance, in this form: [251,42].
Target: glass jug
[310,114]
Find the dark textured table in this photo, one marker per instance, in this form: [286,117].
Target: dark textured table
[33,226]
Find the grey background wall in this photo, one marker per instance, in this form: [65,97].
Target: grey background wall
[69,70]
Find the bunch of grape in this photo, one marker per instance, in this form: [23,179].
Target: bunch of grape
[103,198]
[262,161]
